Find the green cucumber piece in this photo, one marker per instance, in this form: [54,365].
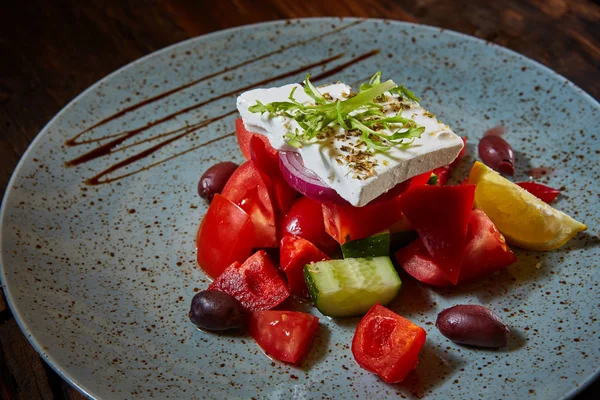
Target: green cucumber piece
[350,287]
[377,245]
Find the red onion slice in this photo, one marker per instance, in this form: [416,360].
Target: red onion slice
[304,180]
[309,184]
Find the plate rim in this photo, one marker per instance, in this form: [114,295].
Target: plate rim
[64,374]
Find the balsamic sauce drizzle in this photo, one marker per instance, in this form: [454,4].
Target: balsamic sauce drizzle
[95,180]
[133,107]
[106,148]
[111,146]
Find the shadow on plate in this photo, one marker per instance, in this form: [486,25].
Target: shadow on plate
[319,349]
[230,334]
[528,268]
[583,241]
[463,168]
[516,340]
[522,167]
[414,298]
[434,367]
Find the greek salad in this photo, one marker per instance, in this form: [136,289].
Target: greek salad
[341,188]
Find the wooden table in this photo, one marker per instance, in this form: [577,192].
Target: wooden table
[50,51]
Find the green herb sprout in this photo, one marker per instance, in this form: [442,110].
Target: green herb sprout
[361,112]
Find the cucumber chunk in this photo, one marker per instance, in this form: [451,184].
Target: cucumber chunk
[377,245]
[350,287]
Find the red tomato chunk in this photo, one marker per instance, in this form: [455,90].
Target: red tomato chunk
[248,189]
[415,260]
[387,344]
[486,250]
[256,283]
[305,219]
[225,235]
[283,335]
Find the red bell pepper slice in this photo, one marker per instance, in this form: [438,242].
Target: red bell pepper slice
[283,335]
[244,136]
[226,234]
[265,157]
[266,160]
[440,215]
[256,284]
[295,253]
[542,192]
[387,344]
[485,252]
[345,223]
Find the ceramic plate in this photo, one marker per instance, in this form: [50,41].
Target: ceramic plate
[98,223]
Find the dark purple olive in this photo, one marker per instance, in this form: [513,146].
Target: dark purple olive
[214,310]
[497,154]
[214,179]
[473,325]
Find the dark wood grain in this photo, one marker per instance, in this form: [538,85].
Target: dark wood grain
[52,50]
[29,379]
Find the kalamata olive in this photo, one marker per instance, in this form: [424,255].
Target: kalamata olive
[497,154]
[473,325]
[214,179]
[214,310]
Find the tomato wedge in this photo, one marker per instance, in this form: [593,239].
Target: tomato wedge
[283,335]
[267,161]
[248,189]
[415,260]
[485,252]
[226,234]
[305,219]
[256,284]
[387,344]
[440,215]
[295,253]
[244,136]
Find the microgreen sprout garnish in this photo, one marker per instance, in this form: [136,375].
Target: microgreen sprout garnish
[362,114]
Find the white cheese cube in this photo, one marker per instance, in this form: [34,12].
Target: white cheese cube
[437,146]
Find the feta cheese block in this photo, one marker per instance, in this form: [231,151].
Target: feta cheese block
[332,157]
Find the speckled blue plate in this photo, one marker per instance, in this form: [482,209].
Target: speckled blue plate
[98,225]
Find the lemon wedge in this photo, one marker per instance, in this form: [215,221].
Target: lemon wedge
[524,220]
